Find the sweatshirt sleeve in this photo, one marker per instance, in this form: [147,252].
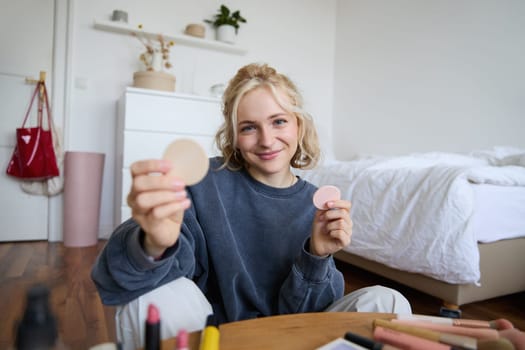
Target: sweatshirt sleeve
[312,285]
[123,272]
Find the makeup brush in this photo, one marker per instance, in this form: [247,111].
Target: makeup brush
[462,322]
[479,333]
[463,342]
[498,344]
[450,339]
[499,324]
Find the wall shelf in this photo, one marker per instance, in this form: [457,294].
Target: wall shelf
[179,39]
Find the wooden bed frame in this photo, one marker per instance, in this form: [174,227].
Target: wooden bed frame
[502,266]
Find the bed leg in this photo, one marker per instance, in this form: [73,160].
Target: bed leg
[450,310]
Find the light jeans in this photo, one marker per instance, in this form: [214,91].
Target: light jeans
[183,306]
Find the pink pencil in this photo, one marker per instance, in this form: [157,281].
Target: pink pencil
[406,341]
[479,333]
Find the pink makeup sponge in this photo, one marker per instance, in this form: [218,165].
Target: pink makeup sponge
[326,194]
[190,162]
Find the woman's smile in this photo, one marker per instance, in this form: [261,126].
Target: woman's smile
[269,155]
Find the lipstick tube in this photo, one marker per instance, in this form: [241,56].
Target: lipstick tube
[152,339]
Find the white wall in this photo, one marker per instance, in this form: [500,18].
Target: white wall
[296,36]
[391,77]
[415,76]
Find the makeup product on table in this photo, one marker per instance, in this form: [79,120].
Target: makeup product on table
[479,333]
[182,342]
[450,339]
[456,341]
[406,341]
[38,328]
[152,339]
[190,162]
[368,343]
[210,334]
[498,344]
[461,322]
[325,194]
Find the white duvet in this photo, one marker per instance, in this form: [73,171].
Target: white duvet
[412,212]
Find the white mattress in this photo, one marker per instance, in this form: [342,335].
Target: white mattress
[499,212]
[426,213]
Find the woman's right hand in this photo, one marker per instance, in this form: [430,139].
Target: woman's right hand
[157,201]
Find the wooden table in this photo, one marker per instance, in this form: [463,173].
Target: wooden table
[296,331]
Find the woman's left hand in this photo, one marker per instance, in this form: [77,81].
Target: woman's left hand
[332,228]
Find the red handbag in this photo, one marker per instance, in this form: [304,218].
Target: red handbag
[34,157]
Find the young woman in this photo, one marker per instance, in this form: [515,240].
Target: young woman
[246,241]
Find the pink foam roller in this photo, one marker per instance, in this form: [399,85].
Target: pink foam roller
[82,191]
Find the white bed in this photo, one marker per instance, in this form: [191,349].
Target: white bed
[424,216]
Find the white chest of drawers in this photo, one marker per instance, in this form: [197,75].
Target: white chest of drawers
[149,120]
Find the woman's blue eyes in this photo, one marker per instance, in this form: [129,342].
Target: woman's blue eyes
[247,128]
[276,122]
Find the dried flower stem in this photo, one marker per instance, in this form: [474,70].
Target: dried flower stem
[163,48]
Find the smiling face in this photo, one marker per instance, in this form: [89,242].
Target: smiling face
[267,137]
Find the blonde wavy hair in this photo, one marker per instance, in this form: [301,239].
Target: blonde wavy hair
[249,78]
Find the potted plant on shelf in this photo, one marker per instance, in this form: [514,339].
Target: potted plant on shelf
[226,24]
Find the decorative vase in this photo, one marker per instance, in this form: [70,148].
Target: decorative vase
[154,80]
[226,33]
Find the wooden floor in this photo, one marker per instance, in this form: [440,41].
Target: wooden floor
[84,322]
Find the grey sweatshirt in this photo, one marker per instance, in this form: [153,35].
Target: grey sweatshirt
[245,244]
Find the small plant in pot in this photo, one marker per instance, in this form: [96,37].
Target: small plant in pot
[226,23]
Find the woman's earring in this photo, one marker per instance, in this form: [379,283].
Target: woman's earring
[236,156]
[298,155]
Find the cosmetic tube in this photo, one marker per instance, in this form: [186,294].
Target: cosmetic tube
[152,339]
[210,335]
